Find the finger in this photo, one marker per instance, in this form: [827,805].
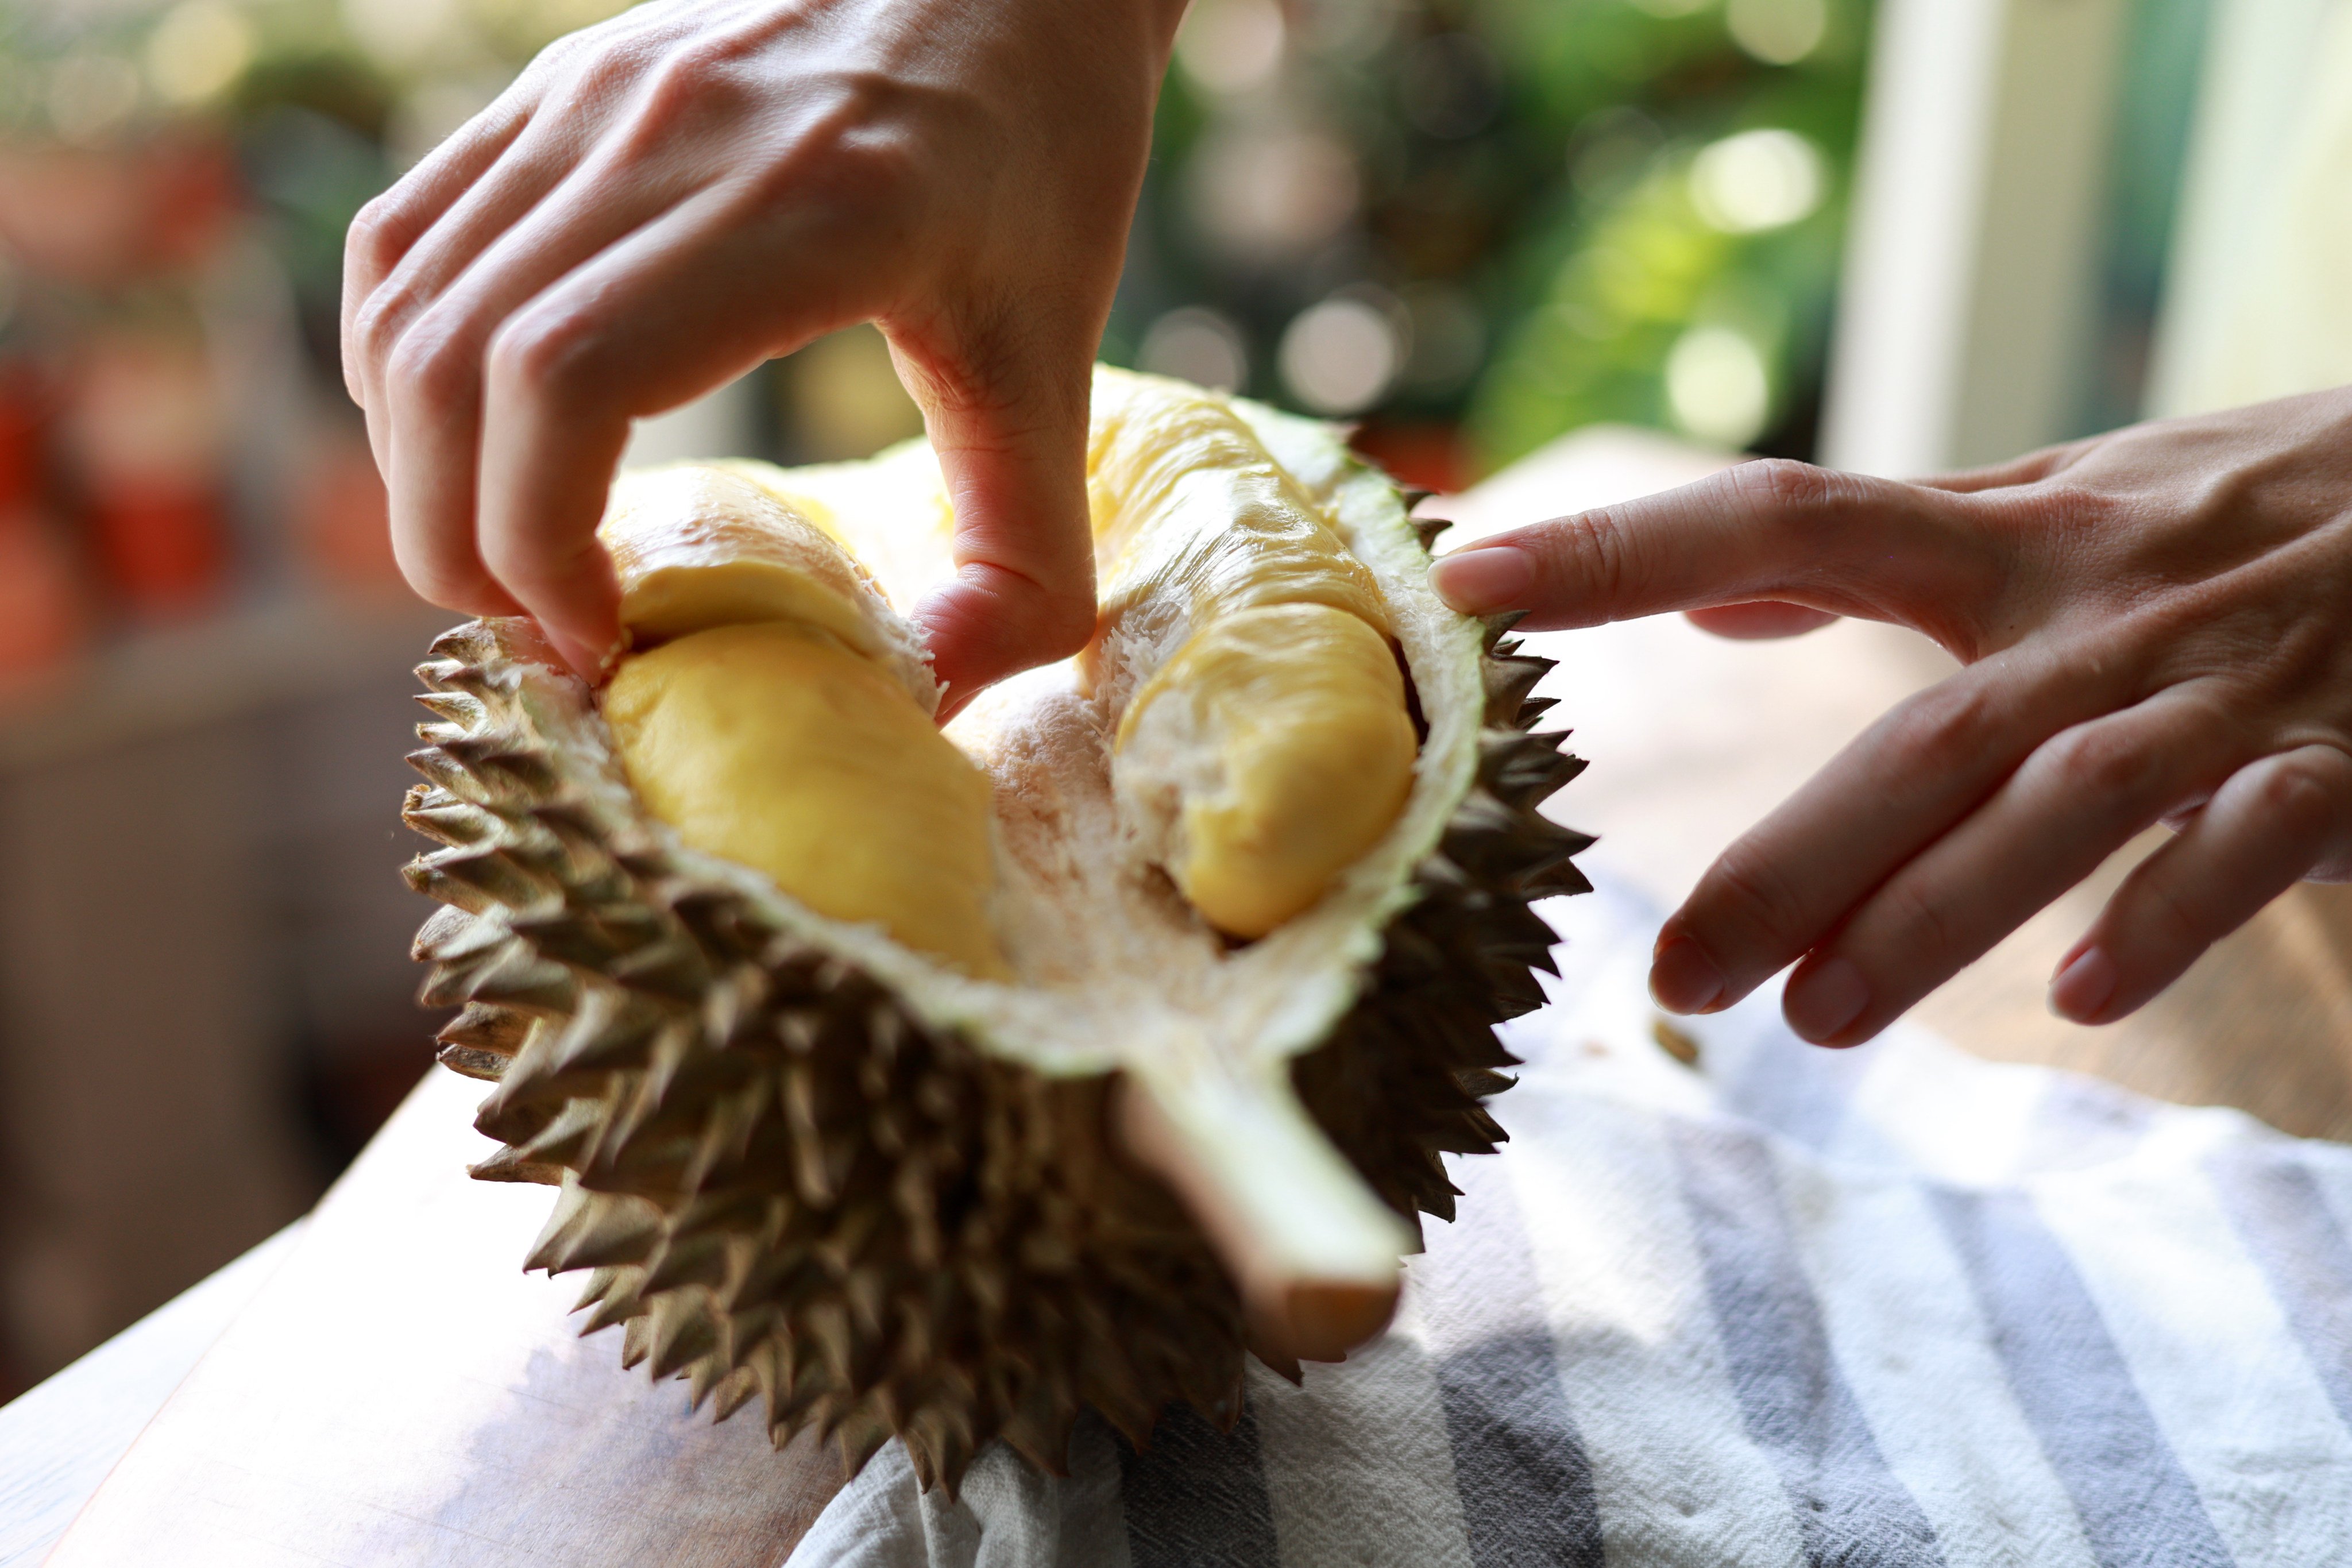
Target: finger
[1783,886]
[1845,543]
[537,214]
[2264,830]
[1007,415]
[432,383]
[385,230]
[1758,619]
[677,307]
[2077,799]
[385,233]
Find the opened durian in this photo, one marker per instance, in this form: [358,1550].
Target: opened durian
[942,1083]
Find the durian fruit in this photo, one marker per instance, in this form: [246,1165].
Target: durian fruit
[970,1082]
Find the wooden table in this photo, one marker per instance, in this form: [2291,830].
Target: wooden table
[394,1391]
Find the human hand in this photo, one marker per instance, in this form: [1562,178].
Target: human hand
[662,202]
[2156,625]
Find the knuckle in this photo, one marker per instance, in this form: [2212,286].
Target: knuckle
[1917,921]
[2066,505]
[543,356]
[1591,549]
[377,323]
[381,233]
[697,78]
[1066,625]
[864,182]
[2093,761]
[1745,888]
[2304,793]
[1940,734]
[430,367]
[1784,484]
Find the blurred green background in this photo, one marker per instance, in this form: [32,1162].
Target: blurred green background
[1471,224]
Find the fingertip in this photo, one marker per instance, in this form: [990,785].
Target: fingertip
[580,614]
[1485,579]
[1824,999]
[2085,984]
[1683,978]
[988,622]
[589,658]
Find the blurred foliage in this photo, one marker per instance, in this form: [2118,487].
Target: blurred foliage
[1552,199]
[1465,216]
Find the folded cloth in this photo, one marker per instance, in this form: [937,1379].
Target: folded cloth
[1891,1306]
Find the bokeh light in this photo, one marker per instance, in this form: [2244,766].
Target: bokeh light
[1755,181]
[1718,386]
[1231,46]
[198,50]
[1199,346]
[91,95]
[1778,32]
[1268,192]
[1340,354]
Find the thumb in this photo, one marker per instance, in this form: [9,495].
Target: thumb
[1770,530]
[1010,429]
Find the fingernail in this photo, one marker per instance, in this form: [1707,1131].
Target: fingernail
[1683,978]
[1485,579]
[1825,999]
[2084,985]
[582,658]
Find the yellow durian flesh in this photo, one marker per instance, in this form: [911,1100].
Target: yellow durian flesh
[1277,735]
[1193,516]
[1281,732]
[774,746]
[697,547]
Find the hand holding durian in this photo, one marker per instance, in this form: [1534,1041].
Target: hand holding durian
[941,1083]
[2156,627]
[663,200]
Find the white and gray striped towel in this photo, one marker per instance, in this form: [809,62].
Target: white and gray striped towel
[1894,1306]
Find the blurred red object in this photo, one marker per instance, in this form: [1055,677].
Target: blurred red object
[163,547]
[149,437]
[43,613]
[1426,455]
[343,519]
[102,218]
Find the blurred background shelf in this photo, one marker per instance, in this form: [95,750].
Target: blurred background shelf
[165,680]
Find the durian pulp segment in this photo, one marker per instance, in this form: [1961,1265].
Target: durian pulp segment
[1272,747]
[1279,735]
[776,747]
[1194,518]
[778,715]
[696,547]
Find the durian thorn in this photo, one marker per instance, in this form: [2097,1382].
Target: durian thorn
[1314,1250]
[1497,625]
[456,707]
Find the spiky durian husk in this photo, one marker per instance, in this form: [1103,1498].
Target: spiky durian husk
[787,1184]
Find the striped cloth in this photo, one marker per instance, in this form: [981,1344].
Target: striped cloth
[1895,1306]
